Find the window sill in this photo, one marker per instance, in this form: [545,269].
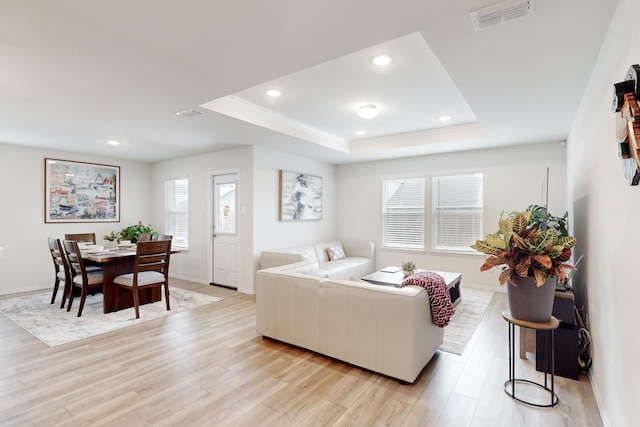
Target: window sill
[409,250]
[471,254]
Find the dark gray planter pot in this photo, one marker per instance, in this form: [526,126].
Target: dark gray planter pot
[529,302]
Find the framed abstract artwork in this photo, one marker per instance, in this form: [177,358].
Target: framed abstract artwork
[300,197]
[81,192]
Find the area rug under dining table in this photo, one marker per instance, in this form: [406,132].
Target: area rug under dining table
[55,326]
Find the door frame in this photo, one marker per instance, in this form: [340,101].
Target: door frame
[210,247]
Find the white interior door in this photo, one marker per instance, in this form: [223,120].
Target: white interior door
[225,230]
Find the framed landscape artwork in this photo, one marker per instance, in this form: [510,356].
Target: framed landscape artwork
[81,192]
[300,197]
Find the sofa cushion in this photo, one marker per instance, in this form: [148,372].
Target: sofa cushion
[308,253]
[335,253]
[321,249]
[304,267]
[350,266]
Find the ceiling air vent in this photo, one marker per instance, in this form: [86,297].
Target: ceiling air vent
[498,13]
[190,112]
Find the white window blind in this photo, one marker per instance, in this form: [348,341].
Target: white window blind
[403,213]
[177,212]
[457,211]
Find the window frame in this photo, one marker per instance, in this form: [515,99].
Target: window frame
[179,240]
[389,237]
[476,230]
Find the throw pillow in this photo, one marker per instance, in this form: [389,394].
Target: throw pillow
[335,253]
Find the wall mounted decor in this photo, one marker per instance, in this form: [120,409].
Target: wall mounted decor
[81,192]
[300,196]
[625,102]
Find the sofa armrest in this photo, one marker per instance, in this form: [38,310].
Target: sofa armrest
[359,249]
[269,259]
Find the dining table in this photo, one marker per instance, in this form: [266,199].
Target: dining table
[115,262]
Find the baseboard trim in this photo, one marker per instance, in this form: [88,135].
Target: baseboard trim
[223,286]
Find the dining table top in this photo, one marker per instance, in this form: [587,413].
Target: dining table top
[107,255]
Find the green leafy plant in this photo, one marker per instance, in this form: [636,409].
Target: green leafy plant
[133,231]
[542,219]
[531,243]
[111,237]
[409,266]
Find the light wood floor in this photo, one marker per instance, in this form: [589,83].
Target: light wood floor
[209,367]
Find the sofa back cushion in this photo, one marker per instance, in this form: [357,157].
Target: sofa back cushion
[321,250]
[308,253]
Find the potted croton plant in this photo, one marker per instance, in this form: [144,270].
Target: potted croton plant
[534,247]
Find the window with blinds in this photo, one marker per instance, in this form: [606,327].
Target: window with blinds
[403,213]
[177,212]
[457,209]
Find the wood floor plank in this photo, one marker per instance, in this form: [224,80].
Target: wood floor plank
[458,411]
[326,414]
[207,366]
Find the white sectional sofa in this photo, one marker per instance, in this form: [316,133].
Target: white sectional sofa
[358,261]
[381,328]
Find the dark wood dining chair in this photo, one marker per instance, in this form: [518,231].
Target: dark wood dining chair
[62,272]
[82,237]
[86,281]
[86,238]
[150,269]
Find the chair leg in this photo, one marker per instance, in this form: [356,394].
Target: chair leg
[136,303]
[65,294]
[166,296]
[82,299]
[71,295]
[55,290]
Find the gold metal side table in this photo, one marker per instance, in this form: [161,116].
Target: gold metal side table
[510,385]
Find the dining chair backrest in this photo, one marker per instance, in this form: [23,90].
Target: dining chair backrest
[61,267]
[163,237]
[144,237]
[153,256]
[150,269]
[82,237]
[57,254]
[74,257]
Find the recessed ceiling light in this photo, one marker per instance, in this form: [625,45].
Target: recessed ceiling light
[190,112]
[368,111]
[444,118]
[113,143]
[382,60]
[273,92]
[359,132]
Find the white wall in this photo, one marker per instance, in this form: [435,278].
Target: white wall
[513,179]
[196,263]
[26,264]
[269,232]
[259,228]
[606,211]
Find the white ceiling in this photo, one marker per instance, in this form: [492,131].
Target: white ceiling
[76,73]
